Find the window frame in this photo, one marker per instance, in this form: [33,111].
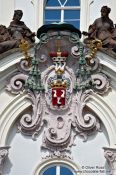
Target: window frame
[58,166]
[40,168]
[62,9]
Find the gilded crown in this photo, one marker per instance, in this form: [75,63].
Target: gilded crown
[59,84]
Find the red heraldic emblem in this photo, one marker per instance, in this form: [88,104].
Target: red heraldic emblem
[58,96]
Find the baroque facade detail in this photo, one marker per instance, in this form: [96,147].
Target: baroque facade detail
[60,80]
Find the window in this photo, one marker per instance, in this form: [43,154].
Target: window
[57,170]
[63,11]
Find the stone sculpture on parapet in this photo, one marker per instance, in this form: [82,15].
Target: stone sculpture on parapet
[11,37]
[103,29]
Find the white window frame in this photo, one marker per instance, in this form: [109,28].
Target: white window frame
[39,7]
[62,7]
[54,161]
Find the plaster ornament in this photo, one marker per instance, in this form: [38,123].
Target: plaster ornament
[59,89]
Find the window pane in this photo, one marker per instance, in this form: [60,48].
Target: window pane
[52,3]
[52,15]
[74,23]
[50,171]
[73,3]
[72,14]
[65,171]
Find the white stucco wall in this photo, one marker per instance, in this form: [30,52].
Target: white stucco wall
[28,12]
[26,153]
[6,11]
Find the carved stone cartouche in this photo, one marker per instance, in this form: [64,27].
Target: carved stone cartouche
[59,84]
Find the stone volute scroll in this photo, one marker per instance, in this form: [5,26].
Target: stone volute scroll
[59,80]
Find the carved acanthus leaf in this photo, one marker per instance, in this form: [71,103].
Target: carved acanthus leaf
[57,154]
[110,155]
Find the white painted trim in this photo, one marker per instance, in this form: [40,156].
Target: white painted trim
[63,8]
[39,13]
[106,115]
[10,114]
[83,15]
[58,170]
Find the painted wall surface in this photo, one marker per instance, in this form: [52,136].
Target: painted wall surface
[28,12]
[6,11]
[25,153]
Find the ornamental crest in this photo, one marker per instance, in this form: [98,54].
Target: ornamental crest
[58,84]
[58,92]
[59,80]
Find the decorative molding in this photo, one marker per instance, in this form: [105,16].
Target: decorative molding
[3,155]
[56,161]
[32,124]
[59,86]
[110,155]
